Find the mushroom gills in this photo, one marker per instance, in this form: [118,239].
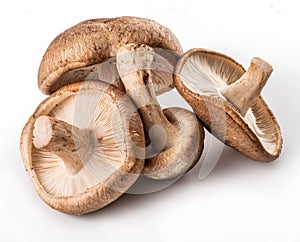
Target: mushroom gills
[106,156]
[208,77]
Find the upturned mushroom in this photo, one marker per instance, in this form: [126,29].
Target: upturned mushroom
[79,147]
[174,136]
[89,45]
[227,99]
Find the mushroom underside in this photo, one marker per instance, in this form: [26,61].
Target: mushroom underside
[95,110]
[204,74]
[106,71]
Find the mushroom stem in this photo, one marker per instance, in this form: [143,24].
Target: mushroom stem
[244,91]
[73,145]
[134,63]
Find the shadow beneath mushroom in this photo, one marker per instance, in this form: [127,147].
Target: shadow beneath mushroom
[230,162]
[127,203]
[138,196]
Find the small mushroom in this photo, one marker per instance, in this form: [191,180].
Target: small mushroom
[227,99]
[81,49]
[79,147]
[174,135]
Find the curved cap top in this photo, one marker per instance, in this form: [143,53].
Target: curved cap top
[94,41]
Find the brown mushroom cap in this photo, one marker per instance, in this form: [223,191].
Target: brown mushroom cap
[75,53]
[113,165]
[200,76]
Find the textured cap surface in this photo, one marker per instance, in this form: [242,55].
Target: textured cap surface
[94,41]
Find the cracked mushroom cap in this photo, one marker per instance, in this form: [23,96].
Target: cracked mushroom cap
[227,99]
[76,52]
[79,147]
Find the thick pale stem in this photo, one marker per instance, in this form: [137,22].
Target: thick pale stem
[73,145]
[134,64]
[244,91]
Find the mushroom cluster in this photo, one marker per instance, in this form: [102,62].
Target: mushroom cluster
[102,126]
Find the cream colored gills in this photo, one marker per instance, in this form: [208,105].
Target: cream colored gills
[89,111]
[202,77]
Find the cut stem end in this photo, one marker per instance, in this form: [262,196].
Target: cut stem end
[73,145]
[244,91]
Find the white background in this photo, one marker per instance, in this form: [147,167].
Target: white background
[241,200]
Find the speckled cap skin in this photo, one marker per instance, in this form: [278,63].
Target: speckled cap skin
[94,41]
